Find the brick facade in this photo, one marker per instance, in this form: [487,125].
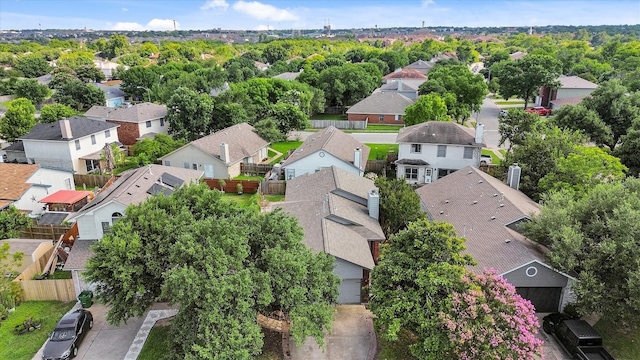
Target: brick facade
[127,132]
[375,119]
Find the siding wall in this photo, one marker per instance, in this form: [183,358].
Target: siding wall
[193,155]
[453,160]
[313,162]
[90,223]
[572,93]
[375,119]
[155,127]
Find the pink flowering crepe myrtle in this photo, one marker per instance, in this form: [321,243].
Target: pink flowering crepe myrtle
[490,320]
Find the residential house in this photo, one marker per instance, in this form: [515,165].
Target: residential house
[220,154]
[143,120]
[381,107]
[338,211]
[408,88]
[404,74]
[289,76]
[32,250]
[488,213]
[113,95]
[132,187]
[261,66]
[431,150]
[571,91]
[72,144]
[421,65]
[23,186]
[107,67]
[517,55]
[328,147]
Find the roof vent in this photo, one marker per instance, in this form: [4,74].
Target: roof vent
[501,205]
[441,212]
[494,195]
[475,202]
[507,240]
[480,181]
[469,172]
[493,218]
[446,201]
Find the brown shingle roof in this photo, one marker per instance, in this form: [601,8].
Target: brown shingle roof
[405,74]
[480,206]
[333,141]
[436,132]
[382,103]
[241,138]
[13,181]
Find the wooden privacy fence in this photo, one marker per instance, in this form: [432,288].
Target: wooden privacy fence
[35,268]
[61,290]
[340,124]
[273,187]
[52,232]
[255,169]
[248,186]
[375,166]
[91,181]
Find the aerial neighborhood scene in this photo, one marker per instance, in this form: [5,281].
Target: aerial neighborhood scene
[337,180]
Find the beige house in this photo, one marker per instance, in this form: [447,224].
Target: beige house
[220,154]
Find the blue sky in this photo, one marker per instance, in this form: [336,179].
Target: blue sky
[308,14]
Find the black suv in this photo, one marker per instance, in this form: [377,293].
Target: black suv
[65,339]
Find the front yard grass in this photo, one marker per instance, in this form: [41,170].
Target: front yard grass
[517,102]
[17,347]
[624,346]
[494,158]
[380,151]
[376,128]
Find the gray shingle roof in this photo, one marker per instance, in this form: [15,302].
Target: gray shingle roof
[407,84]
[79,255]
[98,112]
[451,199]
[138,113]
[333,141]
[405,74]
[318,199]
[575,82]
[421,65]
[383,102]
[241,138]
[436,132]
[110,92]
[287,75]
[80,127]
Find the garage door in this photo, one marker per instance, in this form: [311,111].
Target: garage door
[349,291]
[544,299]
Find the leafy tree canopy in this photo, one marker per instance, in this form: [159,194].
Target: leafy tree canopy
[53,112]
[32,65]
[516,125]
[18,120]
[159,146]
[79,95]
[525,76]
[12,221]
[596,236]
[630,148]
[189,114]
[32,90]
[399,205]
[222,264]
[430,107]
[578,117]
[347,84]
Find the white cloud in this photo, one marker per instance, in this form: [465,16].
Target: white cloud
[262,11]
[262,27]
[213,4]
[125,9]
[154,24]
[426,3]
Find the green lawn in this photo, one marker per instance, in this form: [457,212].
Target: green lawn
[517,102]
[244,200]
[624,346]
[376,129]
[249,177]
[494,158]
[329,117]
[503,152]
[284,147]
[380,151]
[398,350]
[157,345]
[274,198]
[25,346]
[60,275]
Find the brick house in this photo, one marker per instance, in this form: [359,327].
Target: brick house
[383,107]
[138,121]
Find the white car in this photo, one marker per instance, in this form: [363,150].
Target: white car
[485,160]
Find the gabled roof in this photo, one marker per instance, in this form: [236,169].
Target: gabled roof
[575,82]
[318,200]
[287,75]
[80,127]
[13,182]
[384,102]
[241,138]
[79,255]
[407,85]
[421,65]
[133,186]
[110,92]
[137,113]
[405,74]
[436,132]
[65,197]
[517,55]
[98,112]
[333,141]
[480,206]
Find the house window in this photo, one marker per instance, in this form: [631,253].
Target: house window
[106,227]
[107,133]
[115,217]
[77,142]
[381,118]
[148,123]
[161,121]
[411,173]
[398,117]
[167,163]
[67,183]
[442,150]
[416,148]
[194,166]
[92,165]
[186,165]
[468,153]
[93,139]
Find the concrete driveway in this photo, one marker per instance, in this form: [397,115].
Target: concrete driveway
[104,341]
[352,337]
[551,350]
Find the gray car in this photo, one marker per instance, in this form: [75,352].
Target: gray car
[66,338]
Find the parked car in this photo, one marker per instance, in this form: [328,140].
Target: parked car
[485,159]
[542,111]
[577,337]
[65,339]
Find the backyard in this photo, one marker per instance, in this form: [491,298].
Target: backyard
[380,151]
[624,346]
[17,347]
[283,147]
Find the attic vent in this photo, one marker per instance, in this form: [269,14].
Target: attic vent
[501,205]
[480,181]
[146,178]
[475,202]
[469,172]
[494,195]
[137,185]
[441,212]
[493,218]
[446,201]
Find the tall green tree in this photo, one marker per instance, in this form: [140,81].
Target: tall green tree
[515,126]
[116,45]
[136,79]
[347,84]
[9,290]
[32,90]
[12,222]
[53,112]
[430,107]
[288,117]
[596,236]
[189,114]
[32,65]
[399,205]
[525,76]
[222,264]
[630,148]
[274,52]
[578,117]
[79,96]
[18,120]
[152,149]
